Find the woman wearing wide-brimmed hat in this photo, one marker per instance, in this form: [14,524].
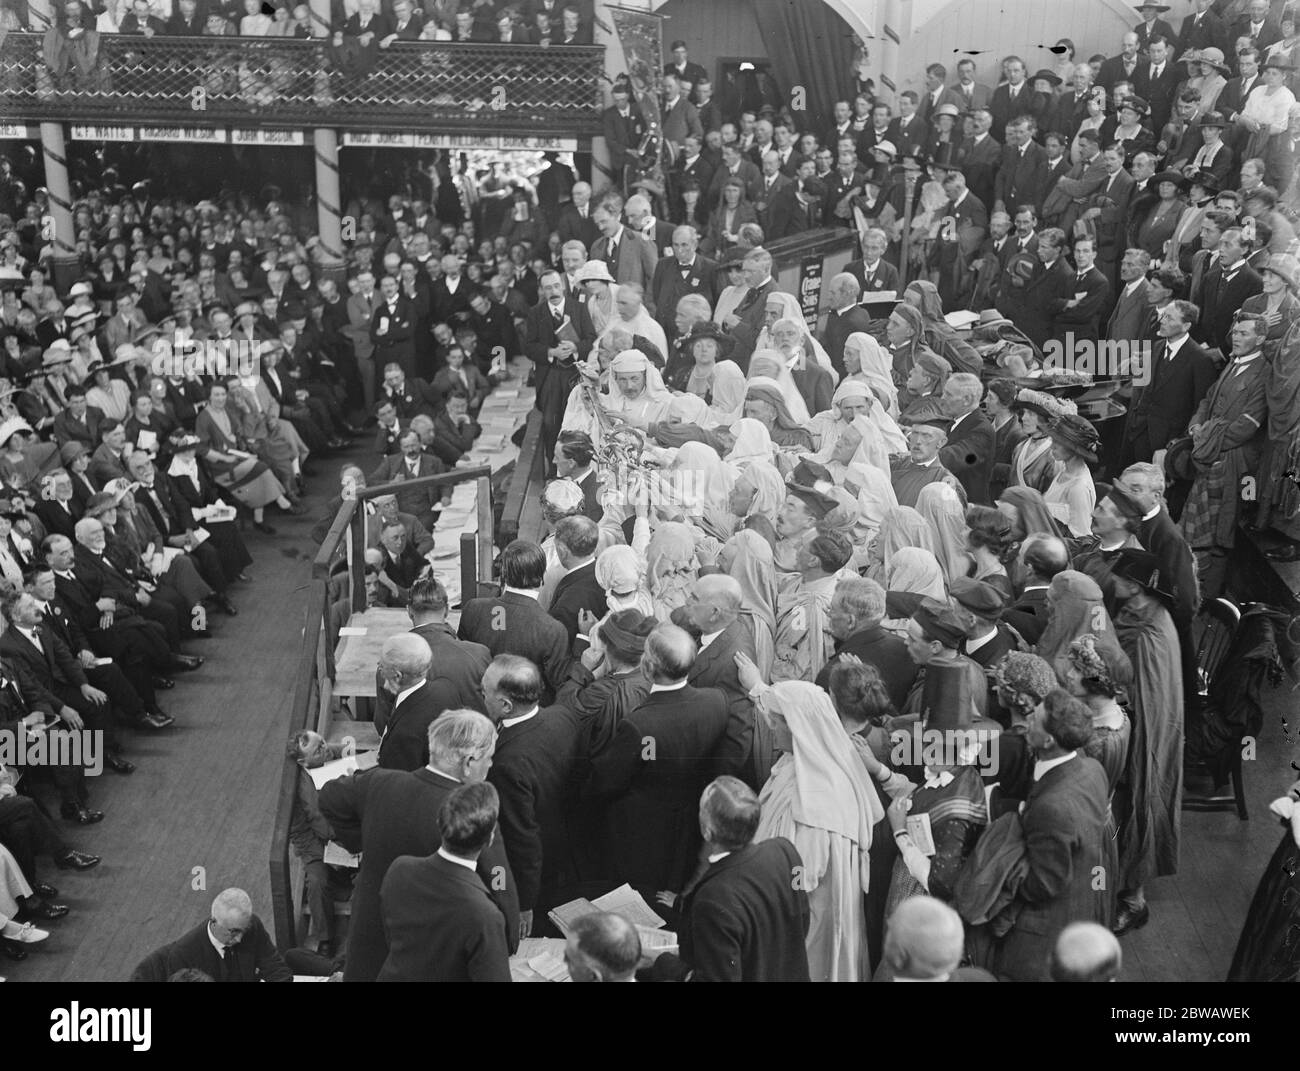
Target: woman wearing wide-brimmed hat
[1155,229]
[1032,464]
[1131,135]
[1207,73]
[1072,494]
[1279,304]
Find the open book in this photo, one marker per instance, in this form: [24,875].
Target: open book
[624,901]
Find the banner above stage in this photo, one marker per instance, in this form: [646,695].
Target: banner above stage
[528,143]
[199,135]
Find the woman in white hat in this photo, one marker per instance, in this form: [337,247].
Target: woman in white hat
[108,394]
[1278,304]
[594,280]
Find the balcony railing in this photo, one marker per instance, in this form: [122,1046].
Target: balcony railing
[195,81]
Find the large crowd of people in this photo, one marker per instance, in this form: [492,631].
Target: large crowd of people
[855,648]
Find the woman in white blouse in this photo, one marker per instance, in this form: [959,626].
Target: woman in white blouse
[1072,494]
[1266,112]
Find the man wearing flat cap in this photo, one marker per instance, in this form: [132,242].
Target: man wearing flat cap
[925,438]
[935,632]
[796,524]
[987,641]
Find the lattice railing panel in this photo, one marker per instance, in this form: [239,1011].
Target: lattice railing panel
[283,81]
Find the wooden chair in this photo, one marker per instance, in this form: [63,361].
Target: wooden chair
[1218,621]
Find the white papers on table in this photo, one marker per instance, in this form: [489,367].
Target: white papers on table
[337,855]
[551,966]
[629,903]
[656,942]
[331,771]
[311,978]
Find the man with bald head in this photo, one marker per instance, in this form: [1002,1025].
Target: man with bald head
[1041,558]
[924,943]
[679,274]
[403,672]
[602,947]
[713,616]
[847,316]
[532,772]
[231,946]
[1086,952]
[647,781]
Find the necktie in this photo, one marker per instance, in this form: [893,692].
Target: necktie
[36,639]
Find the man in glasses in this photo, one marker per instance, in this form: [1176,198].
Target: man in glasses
[231,946]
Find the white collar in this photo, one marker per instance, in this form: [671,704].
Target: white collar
[708,638]
[1131,288]
[30,633]
[1174,345]
[506,723]
[668,687]
[717,856]
[221,949]
[528,592]
[405,692]
[1112,546]
[925,464]
[942,780]
[1042,766]
[974,645]
[468,864]
[1238,363]
[582,564]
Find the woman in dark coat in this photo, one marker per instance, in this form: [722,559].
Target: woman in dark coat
[1267,950]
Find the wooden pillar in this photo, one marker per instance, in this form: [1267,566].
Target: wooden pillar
[56,227]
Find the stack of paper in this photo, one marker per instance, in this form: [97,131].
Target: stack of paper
[337,855]
[329,771]
[624,901]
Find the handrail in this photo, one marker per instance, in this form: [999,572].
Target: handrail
[490,89]
[283,912]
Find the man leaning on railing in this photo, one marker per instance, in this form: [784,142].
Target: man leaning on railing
[72,55]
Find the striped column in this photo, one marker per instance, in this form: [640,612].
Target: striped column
[329,210]
[56,228]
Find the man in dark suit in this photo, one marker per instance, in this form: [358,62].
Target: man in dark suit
[629,257]
[623,128]
[693,165]
[873,272]
[108,462]
[1255,23]
[796,208]
[978,607]
[770,184]
[856,610]
[712,615]
[964,223]
[575,222]
[734,165]
[441,923]
[1078,311]
[692,74]
[574,456]
[1226,288]
[968,454]
[1112,202]
[1123,67]
[532,770]
[1042,557]
[1049,283]
[1156,80]
[1203,29]
[1022,172]
[404,731]
[79,422]
[1012,98]
[650,775]
[909,132]
[1233,96]
[1072,105]
[1180,375]
[685,272]
[558,333]
[1064,821]
[384,814]
[745,920]
[392,328]
[231,946]
[745,324]
[451,293]
[578,593]
[423,502]
[1068,198]
[1128,320]
[679,117]
[846,317]
[514,623]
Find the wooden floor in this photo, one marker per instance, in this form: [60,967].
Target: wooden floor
[196,815]
[199,809]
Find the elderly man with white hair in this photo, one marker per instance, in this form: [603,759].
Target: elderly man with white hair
[854,398]
[630,315]
[404,665]
[637,395]
[231,946]
[925,942]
